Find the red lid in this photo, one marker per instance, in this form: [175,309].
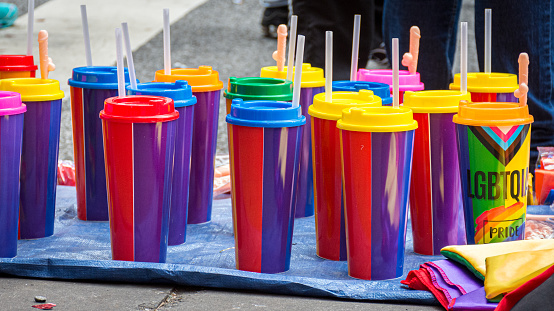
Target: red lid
[17,63]
[139,109]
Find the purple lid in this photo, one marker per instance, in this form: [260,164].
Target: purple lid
[10,104]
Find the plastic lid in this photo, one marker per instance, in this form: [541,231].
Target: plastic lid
[10,104]
[341,100]
[492,114]
[139,109]
[407,80]
[203,79]
[17,63]
[33,89]
[96,77]
[377,119]
[180,91]
[311,76]
[265,113]
[494,82]
[254,88]
[380,89]
[434,101]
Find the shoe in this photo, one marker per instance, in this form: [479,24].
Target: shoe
[378,57]
[272,18]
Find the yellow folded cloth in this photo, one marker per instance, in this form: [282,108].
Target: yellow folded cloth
[473,256]
[509,271]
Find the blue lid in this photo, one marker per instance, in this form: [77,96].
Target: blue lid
[180,91]
[265,113]
[380,89]
[96,77]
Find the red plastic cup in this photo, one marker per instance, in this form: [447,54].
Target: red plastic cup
[139,147]
[17,66]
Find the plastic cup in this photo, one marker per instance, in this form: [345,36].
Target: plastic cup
[184,102]
[313,82]
[436,192]
[489,87]
[139,144]
[11,135]
[90,87]
[408,81]
[379,89]
[254,88]
[376,154]
[17,66]
[266,138]
[329,208]
[493,143]
[39,156]
[207,88]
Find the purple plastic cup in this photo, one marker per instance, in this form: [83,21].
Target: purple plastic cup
[11,135]
[39,156]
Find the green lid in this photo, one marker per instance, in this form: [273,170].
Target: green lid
[255,88]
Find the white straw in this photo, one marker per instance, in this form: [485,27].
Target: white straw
[30,24]
[120,68]
[488,39]
[298,72]
[167,44]
[463,59]
[129,52]
[395,94]
[292,46]
[328,66]
[84,21]
[355,47]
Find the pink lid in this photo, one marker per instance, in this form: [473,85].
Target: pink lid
[408,81]
[10,104]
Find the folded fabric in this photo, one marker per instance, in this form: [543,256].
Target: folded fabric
[452,284]
[535,294]
[504,273]
[474,301]
[473,256]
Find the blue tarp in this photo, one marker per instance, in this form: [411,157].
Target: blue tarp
[81,250]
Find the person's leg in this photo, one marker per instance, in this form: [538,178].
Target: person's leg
[317,16]
[438,22]
[274,3]
[523,26]
[276,12]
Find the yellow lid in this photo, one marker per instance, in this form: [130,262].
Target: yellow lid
[434,101]
[311,76]
[492,114]
[494,82]
[377,119]
[33,89]
[201,79]
[342,100]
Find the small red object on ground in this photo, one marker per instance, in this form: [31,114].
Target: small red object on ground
[45,306]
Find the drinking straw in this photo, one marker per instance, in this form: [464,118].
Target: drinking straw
[30,23]
[167,44]
[355,47]
[521,92]
[328,66]
[488,39]
[410,59]
[279,55]
[395,82]
[292,45]
[45,62]
[84,21]
[129,52]
[298,72]
[120,72]
[463,58]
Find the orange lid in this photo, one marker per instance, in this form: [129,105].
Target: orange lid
[203,79]
[492,114]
